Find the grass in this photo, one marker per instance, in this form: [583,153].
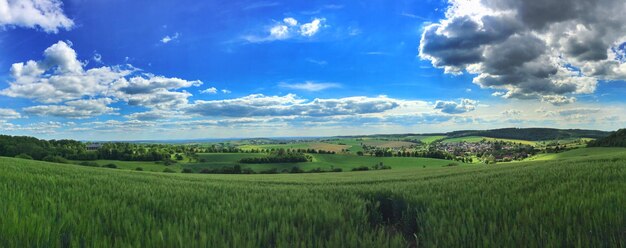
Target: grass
[571,203]
[597,153]
[132,165]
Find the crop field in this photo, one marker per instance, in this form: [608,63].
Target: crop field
[300,145]
[575,203]
[427,139]
[388,144]
[354,145]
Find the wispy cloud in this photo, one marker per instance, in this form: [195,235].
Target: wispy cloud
[322,8]
[376,53]
[317,62]
[310,86]
[259,5]
[409,15]
[168,39]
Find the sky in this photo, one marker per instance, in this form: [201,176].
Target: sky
[156,70]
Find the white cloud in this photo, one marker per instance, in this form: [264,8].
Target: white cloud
[291,105]
[46,15]
[9,114]
[60,77]
[211,90]
[168,38]
[225,91]
[529,50]
[154,115]
[310,86]
[97,57]
[77,109]
[279,32]
[451,107]
[290,21]
[511,113]
[578,111]
[311,28]
[287,29]
[558,100]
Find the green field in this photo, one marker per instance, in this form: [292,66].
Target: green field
[584,153]
[323,161]
[578,202]
[427,139]
[299,145]
[132,165]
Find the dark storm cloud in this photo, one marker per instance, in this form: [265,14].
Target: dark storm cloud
[533,49]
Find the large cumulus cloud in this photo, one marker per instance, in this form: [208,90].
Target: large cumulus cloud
[44,14]
[60,77]
[532,49]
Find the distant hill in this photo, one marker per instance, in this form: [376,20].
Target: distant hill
[615,139]
[534,134]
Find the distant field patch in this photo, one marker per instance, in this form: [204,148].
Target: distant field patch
[427,139]
[388,144]
[301,145]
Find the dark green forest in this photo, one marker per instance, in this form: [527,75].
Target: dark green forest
[615,139]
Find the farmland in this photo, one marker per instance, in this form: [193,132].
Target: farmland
[539,203]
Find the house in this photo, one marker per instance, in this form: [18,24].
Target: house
[93,146]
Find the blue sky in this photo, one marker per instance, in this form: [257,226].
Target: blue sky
[188,69]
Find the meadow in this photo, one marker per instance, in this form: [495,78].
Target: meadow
[576,202]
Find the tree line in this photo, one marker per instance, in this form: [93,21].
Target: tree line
[279,156]
[615,139]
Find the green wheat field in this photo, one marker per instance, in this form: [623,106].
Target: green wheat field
[575,200]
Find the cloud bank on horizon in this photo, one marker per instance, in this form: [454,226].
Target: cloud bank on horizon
[331,71]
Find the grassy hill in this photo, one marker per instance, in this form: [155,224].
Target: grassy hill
[577,202]
[595,153]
